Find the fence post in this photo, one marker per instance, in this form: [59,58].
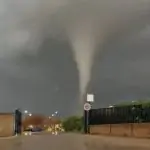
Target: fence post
[85,121]
[132,126]
[110,129]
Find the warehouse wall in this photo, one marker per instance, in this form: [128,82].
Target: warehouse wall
[6,124]
[129,129]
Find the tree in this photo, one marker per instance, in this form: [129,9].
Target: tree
[73,124]
[143,103]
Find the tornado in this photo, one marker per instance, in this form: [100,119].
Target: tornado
[83,42]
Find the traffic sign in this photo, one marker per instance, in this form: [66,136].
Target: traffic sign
[90,98]
[87,106]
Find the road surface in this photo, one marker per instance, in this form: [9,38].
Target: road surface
[72,142]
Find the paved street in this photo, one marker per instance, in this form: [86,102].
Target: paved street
[72,142]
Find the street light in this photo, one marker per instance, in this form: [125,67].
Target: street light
[26,111]
[110,106]
[56,112]
[30,114]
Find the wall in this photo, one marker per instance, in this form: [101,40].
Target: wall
[142,130]
[6,124]
[129,130]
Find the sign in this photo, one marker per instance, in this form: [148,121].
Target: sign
[87,106]
[90,98]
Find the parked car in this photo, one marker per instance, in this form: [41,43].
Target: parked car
[28,130]
[36,129]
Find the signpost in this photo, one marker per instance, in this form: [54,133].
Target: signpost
[87,108]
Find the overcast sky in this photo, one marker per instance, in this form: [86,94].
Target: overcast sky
[49,81]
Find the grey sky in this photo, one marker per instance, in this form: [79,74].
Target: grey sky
[47,79]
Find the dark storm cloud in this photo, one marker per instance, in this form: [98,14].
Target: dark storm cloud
[43,84]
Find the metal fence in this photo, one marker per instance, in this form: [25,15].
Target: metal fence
[117,115]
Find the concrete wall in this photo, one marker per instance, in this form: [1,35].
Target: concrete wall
[102,129]
[6,124]
[142,130]
[121,129]
[128,130]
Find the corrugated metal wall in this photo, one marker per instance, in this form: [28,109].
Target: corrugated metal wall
[117,115]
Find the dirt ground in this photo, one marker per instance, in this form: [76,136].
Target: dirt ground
[73,142]
[117,143]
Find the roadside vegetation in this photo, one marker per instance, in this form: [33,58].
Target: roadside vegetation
[73,124]
[143,103]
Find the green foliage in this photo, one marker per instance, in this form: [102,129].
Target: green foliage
[73,124]
[144,103]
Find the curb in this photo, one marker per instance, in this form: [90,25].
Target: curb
[10,137]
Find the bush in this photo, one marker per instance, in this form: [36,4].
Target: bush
[143,103]
[73,124]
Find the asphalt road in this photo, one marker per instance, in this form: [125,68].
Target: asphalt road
[72,142]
